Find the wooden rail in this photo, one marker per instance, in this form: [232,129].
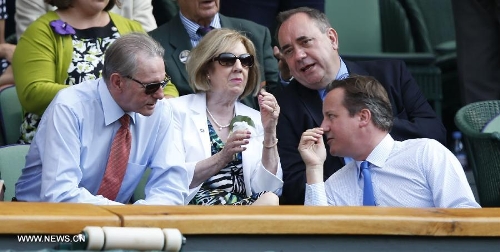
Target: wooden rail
[50,218]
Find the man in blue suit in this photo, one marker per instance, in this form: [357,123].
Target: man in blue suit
[309,46]
[181,34]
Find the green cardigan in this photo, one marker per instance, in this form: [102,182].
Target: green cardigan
[42,58]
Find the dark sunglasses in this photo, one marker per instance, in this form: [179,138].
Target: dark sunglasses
[229,59]
[150,88]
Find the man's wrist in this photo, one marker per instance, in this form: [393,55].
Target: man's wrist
[314,174]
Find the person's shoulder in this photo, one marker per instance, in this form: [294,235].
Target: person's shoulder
[82,92]
[166,28]
[421,143]
[378,63]
[244,24]
[183,99]
[290,92]
[132,24]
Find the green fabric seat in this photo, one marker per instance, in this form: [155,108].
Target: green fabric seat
[483,149]
[12,161]
[389,29]
[11,115]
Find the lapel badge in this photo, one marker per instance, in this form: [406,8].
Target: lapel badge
[183,56]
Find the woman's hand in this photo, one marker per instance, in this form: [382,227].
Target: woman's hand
[269,111]
[235,143]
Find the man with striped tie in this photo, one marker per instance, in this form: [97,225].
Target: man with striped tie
[97,139]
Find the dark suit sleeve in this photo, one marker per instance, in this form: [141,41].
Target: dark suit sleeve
[294,179]
[300,106]
[414,117]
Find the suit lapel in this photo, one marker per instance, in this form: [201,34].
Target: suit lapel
[354,68]
[227,23]
[180,42]
[311,100]
[198,106]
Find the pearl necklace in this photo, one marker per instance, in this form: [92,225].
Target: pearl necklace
[215,121]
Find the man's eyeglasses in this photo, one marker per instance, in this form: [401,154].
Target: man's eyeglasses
[229,59]
[151,88]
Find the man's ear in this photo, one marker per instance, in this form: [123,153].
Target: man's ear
[334,39]
[365,116]
[116,82]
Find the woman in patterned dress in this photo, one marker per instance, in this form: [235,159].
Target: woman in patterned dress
[65,47]
[239,167]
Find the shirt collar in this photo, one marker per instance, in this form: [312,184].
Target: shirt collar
[192,27]
[112,111]
[379,154]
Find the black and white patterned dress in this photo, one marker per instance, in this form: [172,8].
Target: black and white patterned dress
[89,46]
[3,16]
[227,187]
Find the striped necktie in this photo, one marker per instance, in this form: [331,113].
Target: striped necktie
[202,31]
[117,161]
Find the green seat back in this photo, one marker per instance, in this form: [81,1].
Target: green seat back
[10,114]
[12,161]
[357,23]
[483,149]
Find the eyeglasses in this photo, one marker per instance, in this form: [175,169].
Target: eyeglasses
[229,59]
[151,88]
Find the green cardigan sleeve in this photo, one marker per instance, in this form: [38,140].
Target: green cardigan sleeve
[37,63]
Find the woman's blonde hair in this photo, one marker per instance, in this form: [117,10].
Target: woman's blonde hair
[214,43]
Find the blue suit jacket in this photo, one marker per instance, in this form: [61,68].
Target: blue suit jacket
[302,110]
[175,39]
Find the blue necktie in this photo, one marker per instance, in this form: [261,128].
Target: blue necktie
[202,31]
[368,198]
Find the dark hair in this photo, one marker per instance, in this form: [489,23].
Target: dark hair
[65,4]
[365,92]
[121,56]
[317,16]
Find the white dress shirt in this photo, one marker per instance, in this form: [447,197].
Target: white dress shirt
[68,156]
[412,173]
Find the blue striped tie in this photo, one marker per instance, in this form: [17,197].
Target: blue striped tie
[368,198]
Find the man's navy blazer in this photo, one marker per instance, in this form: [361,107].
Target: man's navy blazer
[175,39]
[301,109]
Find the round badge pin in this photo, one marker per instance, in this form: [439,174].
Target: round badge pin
[183,56]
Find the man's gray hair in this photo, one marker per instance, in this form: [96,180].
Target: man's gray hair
[121,55]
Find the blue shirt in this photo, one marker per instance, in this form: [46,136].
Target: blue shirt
[412,173]
[192,27]
[68,156]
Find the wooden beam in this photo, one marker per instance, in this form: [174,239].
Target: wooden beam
[52,218]
[314,220]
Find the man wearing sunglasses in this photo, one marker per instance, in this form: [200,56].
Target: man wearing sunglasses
[96,139]
[180,35]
